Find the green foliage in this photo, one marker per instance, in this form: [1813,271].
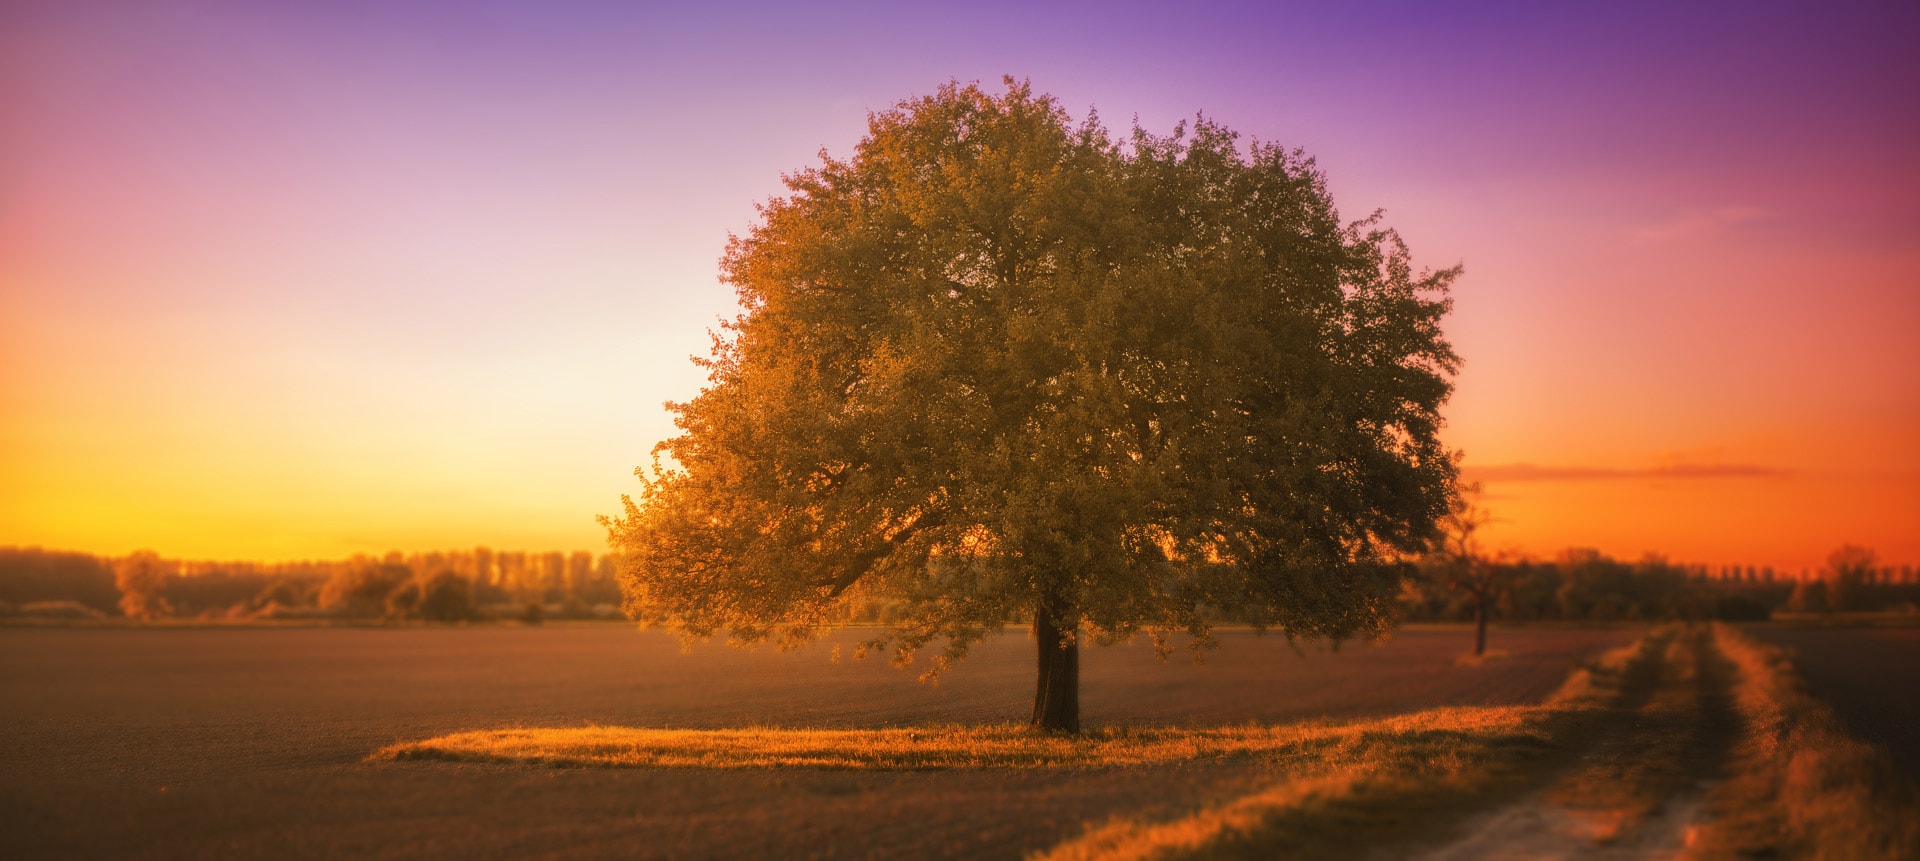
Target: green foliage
[997,362]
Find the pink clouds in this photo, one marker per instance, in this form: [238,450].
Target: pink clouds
[1696,224]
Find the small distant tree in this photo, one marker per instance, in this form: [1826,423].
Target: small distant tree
[141,578]
[1809,596]
[1460,561]
[1849,571]
[997,366]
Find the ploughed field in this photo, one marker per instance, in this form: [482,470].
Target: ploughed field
[254,742]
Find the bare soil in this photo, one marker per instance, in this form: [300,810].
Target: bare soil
[250,742]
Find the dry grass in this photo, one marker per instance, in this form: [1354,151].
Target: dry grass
[1319,768]
[1317,764]
[1329,780]
[1323,772]
[1311,794]
[1800,787]
[1368,790]
[951,747]
[1128,839]
[964,746]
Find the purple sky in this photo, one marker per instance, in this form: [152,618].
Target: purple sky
[289,279]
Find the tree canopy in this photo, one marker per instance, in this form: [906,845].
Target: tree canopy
[999,366]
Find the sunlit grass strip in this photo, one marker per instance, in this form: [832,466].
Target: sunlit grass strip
[1132,839]
[1801,787]
[1402,765]
[944,747]
[995,746]
[1353,766]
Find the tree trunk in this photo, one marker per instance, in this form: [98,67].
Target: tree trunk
[1056,699]
[1479,628]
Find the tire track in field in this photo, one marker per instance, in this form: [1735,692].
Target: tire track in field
[1641,776]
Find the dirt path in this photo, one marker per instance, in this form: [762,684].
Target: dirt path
[1640,780]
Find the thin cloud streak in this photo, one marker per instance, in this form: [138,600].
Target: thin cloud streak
[1694,225]
[1512,472]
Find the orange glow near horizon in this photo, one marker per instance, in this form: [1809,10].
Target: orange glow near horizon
[260,303]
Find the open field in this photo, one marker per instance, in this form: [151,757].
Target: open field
[1577,743]
[131,742]
[1796,783]
[1694,740]
[1869,675]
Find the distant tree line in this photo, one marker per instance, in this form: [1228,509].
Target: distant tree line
[456,586]
[1587,585]
[483,584]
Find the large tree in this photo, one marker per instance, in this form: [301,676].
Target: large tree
[998,366]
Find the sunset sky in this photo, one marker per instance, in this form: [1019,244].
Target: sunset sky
[284,280]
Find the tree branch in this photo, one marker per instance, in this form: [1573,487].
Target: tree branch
[862,563]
